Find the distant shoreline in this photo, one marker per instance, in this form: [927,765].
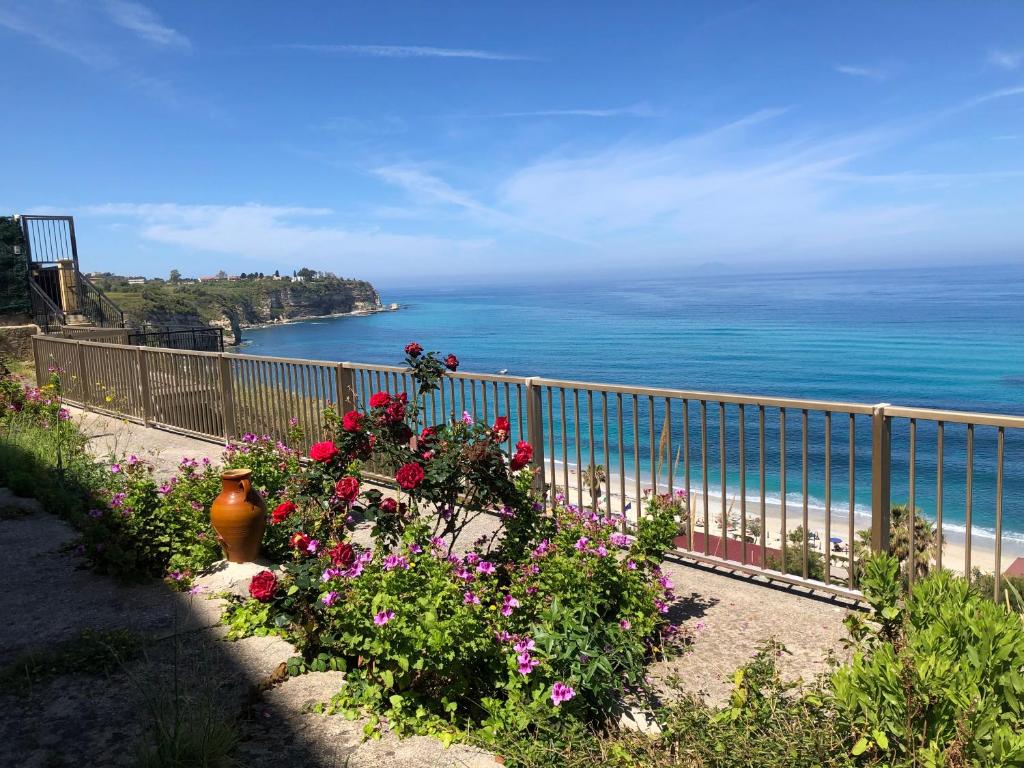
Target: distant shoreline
[308,318]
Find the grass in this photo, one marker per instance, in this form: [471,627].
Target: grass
[91,651]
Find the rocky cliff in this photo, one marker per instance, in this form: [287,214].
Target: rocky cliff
[238,304]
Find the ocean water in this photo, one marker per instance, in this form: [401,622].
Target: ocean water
[940,338]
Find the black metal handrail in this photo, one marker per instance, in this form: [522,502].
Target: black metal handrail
[98,307]
[194,339]
[45,312]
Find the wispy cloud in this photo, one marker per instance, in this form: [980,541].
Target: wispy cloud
[1006,59]
[50,36]
[406,52]
[997,95]
[285,235]
[869,73]
[744,191]
[145,23]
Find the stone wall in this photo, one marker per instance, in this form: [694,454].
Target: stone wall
[16,342]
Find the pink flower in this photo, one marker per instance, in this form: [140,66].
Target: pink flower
[383,618]
[508,605]
[581,544]
[395,561]
[526,663]
[485,568]
[467,418]
[619,540]
[470,599]
[624,624]
[329,598]
[524,645]
[561,692]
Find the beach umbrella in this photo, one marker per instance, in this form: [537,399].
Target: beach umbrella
[836,540]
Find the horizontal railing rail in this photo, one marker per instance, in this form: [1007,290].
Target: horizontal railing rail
[795,490]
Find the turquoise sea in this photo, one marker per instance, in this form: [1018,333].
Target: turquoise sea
[941,338]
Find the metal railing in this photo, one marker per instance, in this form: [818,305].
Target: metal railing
[45,312]
[50,239]
[789,489]
[97,306]
[195,339]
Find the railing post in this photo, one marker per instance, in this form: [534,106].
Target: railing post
[881,477]
[147,401]
[85,385]
[38,358]
[345,384]
[535,430]
[227,397]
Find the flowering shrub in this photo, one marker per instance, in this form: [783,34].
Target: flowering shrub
[543,618]
[140,525]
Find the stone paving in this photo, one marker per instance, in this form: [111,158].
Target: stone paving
[83,720]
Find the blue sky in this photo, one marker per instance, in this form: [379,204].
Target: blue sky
[453,140]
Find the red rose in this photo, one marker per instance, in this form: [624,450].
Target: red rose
[347,489]
[427,434]
[263,586]
[501,428]
[379,399]
[281,512]
[402,397]
[412,349]
[394,411]
[451,362]
[299,540]
[523,455]
[352,421]
[409,476]
[389,505]
[342,555]
[323,452]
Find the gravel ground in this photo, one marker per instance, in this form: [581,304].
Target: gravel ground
[81,719]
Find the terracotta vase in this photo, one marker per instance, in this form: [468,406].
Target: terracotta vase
[239,516]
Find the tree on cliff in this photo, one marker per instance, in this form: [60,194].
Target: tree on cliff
[175,276]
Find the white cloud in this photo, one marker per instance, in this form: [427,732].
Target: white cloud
[734,191]
[407,52]
[870,73]
[291,235]
[50,36]
[1006,59]
[142,21]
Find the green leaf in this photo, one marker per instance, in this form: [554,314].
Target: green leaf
[881,739]
[860,747]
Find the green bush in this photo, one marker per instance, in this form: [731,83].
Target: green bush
[139,526]
[937,676]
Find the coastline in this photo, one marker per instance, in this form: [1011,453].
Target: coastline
[308,318]
[954,549]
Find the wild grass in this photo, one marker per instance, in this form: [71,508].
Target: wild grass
[91,651]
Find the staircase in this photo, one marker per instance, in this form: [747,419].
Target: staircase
[60,293]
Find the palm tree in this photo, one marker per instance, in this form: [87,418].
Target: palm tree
[926,540]
[593,476]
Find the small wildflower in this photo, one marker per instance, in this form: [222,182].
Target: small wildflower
[561,692]
[383,617]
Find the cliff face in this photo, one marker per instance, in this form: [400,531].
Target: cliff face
[235,305]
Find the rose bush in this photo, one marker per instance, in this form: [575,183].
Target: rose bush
[543,617]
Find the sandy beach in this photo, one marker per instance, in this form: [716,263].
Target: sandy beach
[954,549]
